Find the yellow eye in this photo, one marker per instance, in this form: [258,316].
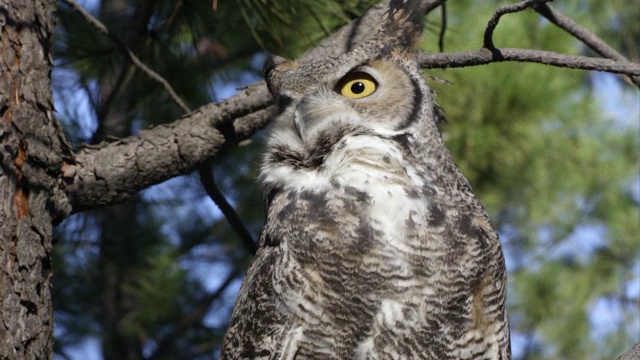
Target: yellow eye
[357,85]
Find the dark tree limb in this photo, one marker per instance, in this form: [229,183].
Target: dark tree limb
[207,180]
[443,26]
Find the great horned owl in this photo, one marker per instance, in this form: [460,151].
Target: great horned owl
[375,246]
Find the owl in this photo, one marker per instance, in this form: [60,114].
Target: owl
[374,246]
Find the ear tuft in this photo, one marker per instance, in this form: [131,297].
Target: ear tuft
[270,63]
[273,68]
[404,22]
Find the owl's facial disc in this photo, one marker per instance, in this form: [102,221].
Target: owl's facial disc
[314,110]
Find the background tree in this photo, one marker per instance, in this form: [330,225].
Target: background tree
[550,153]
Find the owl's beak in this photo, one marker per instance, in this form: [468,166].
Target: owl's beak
[298,124]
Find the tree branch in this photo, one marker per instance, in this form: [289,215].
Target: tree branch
[206,178]
[587,37]
[631,354]
[443,26]
[486,56]
[111,172]
[503,10]
[568,25]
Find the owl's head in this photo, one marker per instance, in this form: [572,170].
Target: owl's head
[375,92]
[383,95]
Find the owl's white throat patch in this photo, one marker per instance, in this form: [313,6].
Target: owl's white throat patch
[359,159]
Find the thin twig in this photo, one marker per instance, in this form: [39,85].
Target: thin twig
[486,56]
[590,39]
[507,9]
[125,49]
[443,26]
[206,178]
[587,37]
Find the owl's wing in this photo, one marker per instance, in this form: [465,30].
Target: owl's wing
[256,326]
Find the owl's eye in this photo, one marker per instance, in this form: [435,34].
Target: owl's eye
[357,85]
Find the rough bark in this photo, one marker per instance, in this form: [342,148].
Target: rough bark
[31,152]
[487,56]
[113,171]
[631,354]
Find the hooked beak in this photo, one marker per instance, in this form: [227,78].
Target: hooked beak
[298,124]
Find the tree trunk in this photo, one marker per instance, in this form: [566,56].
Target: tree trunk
[31,153]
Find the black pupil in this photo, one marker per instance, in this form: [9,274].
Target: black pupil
[357,87]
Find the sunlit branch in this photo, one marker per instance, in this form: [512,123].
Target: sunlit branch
[486,56]
[207,181]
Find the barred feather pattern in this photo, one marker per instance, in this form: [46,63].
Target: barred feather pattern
[374,246]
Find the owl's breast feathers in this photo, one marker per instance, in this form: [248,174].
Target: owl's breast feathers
[368,256]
